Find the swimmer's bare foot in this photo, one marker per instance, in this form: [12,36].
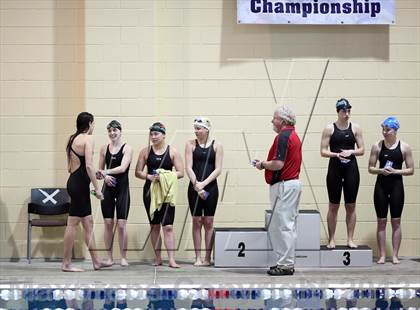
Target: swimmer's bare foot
[205,263]
[381,260]
[124,262]
[331,244]
[157,262]
[173,264]
[395,260]
[100,265]
[351,244]
[108,261]
[69,268]
[198,262]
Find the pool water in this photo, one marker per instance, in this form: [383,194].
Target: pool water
[230,298]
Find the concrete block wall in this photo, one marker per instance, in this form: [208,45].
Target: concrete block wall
[143,61]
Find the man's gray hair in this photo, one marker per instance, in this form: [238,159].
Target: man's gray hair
[286,114]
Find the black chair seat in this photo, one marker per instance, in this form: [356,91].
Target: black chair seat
[48,209]
[48,222]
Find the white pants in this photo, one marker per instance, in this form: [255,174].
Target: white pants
[284,197]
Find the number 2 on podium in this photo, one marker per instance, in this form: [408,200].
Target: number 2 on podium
[241,247]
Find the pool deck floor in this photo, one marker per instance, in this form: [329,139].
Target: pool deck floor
[45,274]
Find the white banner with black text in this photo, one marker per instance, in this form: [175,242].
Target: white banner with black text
[349,12]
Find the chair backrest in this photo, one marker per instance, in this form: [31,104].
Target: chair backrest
[49,201]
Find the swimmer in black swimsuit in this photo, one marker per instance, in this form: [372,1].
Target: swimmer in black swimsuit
[389,187]
[203,163]
[117,158]
[341,142]
[79,157]
[159,155]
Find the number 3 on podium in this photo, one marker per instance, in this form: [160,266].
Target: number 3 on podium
[347,261]
[241,247]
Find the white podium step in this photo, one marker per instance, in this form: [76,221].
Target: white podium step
[251,247]
[308,229]
[343,256]
[241,247]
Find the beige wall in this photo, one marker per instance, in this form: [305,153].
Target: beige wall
[141,61]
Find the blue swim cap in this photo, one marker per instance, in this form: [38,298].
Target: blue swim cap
[391,122]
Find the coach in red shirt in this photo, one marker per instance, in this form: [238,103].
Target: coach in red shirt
[282,169]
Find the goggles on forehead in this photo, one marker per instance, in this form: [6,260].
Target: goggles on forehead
[202,122]
[158,127]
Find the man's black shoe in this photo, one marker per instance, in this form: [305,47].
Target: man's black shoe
[281,271]
[275,266]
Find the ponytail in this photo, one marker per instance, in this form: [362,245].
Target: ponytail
[70,142]
[83,122]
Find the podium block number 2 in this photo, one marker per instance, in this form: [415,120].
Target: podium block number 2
[241,247]
[347,260]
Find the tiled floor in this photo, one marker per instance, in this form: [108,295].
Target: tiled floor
[46,274]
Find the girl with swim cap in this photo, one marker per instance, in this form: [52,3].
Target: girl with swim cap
[389,188]
[203,163]
[114,165]
[159,155]
[341,142]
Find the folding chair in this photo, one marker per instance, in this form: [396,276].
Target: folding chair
[46,201]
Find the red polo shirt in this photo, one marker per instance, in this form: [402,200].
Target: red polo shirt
[287,148]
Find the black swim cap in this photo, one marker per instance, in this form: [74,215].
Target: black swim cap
[342,104]
[158,127]
[114,124]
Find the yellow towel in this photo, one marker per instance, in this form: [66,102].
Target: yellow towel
[164,191]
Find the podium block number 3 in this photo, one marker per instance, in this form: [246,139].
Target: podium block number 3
[347,260]
[241,247]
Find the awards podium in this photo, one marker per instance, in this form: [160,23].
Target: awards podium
[251,247]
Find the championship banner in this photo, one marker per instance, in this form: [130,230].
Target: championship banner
[316,12]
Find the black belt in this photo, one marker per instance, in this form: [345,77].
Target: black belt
[285,180]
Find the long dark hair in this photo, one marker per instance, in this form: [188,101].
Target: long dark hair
[82,125]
